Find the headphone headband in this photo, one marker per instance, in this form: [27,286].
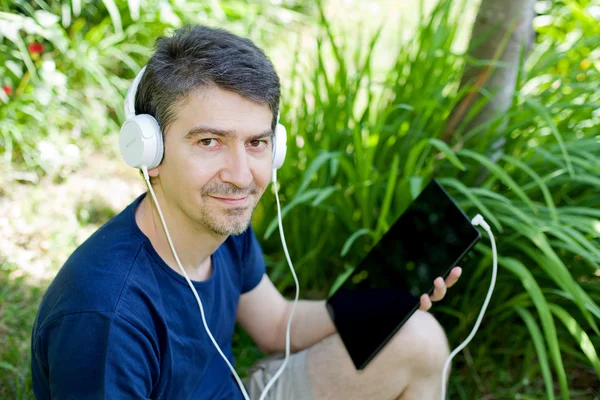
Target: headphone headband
[130,98]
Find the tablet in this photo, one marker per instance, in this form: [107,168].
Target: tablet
[430,238]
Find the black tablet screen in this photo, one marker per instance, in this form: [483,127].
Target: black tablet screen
[383,291]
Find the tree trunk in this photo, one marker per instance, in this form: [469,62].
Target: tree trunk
[490,42]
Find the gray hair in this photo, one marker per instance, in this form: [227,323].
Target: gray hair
[196,57]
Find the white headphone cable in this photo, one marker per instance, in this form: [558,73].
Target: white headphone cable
[289,323]
[237,378]
[477,220]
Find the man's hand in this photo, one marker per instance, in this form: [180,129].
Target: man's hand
[440,287]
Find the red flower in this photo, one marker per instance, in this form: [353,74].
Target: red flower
[7,89]
[35,48]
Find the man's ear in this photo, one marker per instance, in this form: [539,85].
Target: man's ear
[153,172]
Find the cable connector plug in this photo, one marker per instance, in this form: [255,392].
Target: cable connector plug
[478,220]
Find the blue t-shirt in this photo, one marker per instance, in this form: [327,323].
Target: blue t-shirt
[118,323]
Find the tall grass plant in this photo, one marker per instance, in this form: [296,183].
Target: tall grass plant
[362,146]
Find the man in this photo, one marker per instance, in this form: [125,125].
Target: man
[119,320]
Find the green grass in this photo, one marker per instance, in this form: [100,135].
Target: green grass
[18,305]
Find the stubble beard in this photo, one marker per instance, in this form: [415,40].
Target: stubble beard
[228,222]
[223,220]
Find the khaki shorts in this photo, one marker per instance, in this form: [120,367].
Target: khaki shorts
[292,384]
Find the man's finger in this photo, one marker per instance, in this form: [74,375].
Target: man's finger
[439,290]
[425,303]
[453,276]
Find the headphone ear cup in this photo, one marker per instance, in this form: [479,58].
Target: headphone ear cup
[141,142]
[280,146]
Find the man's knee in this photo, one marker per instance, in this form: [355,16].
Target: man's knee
[422,342]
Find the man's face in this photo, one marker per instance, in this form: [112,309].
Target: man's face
[217,160]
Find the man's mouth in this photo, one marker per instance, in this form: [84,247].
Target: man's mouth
[231,200]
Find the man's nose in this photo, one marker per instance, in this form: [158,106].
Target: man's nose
[237,170]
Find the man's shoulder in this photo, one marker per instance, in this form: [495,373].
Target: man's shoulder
[94,276]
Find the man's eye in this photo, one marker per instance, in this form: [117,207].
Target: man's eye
[258,143]
[208,142]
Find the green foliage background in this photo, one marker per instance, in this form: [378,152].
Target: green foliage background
[365,121]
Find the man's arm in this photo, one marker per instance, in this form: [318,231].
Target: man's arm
[263,313]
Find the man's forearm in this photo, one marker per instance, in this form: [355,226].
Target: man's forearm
[311,324]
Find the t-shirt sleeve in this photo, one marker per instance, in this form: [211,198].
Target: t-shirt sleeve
[95,355]
[253,262]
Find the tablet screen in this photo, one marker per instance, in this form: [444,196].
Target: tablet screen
[427,240]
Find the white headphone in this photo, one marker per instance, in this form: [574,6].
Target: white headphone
[141,140]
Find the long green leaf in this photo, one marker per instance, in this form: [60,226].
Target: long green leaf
[134,9]
[410,164]
[76,6]
[543,187]
[387,199]
[500,174]
[565,235]
[313,168]
[545,114]
[540,349]
[340,280]
[559,273]
[350,241]
[115,15]
[300,199]
[580,336]
[324,195]
[9,367]
[569,296]
[541,305]
[447,151]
